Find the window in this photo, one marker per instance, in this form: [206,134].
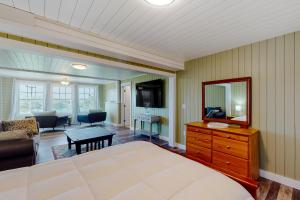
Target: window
[87,98]
[31,98]
[62,99]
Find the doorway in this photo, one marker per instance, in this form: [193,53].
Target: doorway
[126,104]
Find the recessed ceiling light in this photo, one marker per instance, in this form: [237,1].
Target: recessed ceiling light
[79,66]
[160,2]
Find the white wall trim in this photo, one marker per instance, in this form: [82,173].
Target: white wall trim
[180,146]
[280,179]
[165,138]
[172,110]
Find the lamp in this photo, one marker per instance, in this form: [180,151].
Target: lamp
[238,108]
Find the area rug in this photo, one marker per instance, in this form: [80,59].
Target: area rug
[123,135]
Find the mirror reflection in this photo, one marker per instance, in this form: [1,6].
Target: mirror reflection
[226,101]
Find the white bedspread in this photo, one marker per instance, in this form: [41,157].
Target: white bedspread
[132,171]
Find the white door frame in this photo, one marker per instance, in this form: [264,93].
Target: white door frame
[122,97]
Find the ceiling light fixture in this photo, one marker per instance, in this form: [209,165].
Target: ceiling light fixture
[65,82]
[160,2]
[79,66]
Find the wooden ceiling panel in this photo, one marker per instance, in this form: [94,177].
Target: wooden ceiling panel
[186,29]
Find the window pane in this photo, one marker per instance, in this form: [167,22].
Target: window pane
[87,99]
[31,98]
[62,99]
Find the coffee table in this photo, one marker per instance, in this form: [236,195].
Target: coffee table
[88,136]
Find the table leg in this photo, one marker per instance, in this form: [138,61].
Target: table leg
[69,142]
[150,132]
[98,144]
[78,148]
[110,141]
[87,147]
[134,126]
[102,142]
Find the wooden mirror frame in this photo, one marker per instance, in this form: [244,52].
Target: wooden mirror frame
[243,124]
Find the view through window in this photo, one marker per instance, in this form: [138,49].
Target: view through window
[31,98]
[62,99]
[87,98]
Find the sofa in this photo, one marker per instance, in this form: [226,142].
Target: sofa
[50,119]
[92,117]
[214,112]
[19,142]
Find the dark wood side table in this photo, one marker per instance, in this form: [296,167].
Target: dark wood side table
[91,137]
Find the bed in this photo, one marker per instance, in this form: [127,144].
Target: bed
[132,171]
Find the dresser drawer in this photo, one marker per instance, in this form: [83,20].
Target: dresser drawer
[229,163]
[232,147]
[198,129]
[199,139]
[230,136]
[198,152]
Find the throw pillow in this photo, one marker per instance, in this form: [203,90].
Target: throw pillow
[28,124]
[9,135]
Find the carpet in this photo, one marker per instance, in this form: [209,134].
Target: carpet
[123,135]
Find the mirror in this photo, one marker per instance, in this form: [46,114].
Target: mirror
[227,101]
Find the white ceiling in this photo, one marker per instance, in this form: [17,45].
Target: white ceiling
[24,60]
[184,30]
[24,75]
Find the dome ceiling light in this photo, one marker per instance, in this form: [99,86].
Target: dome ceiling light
[160,2]
[79,66]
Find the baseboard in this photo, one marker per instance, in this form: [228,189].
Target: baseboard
[114,124]
[280,179]
[164,138]
[180,146]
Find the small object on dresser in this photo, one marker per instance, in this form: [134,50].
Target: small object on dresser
[217,125]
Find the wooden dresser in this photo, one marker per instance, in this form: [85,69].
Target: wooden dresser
[233,151]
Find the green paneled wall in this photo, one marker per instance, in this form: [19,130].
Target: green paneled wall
[163,112]
[274,66]
[215,96]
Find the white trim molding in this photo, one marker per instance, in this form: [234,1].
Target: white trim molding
[172,110]
[280,179]
[180,146]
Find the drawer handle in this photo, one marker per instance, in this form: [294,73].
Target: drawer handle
[206,140]
[228,147]
[228,163]
[228,136]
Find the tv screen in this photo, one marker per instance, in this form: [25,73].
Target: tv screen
[150,94]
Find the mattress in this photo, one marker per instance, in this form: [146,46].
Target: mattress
[132,171]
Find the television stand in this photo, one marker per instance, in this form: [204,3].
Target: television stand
[151,119]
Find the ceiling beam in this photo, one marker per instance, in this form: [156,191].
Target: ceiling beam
[28,25]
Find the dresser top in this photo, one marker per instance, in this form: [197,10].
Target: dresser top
[231,129]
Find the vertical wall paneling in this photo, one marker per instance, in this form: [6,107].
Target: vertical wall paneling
[274,66]
[263,103]
[271,104]
[297,106]
[289,114]
[279,85]
[255,84]
[235,63]
[241,61]
[248,64]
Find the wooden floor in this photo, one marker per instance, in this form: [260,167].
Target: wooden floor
[268,190]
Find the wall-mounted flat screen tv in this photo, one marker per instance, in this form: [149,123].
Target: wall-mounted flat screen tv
[150,94]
